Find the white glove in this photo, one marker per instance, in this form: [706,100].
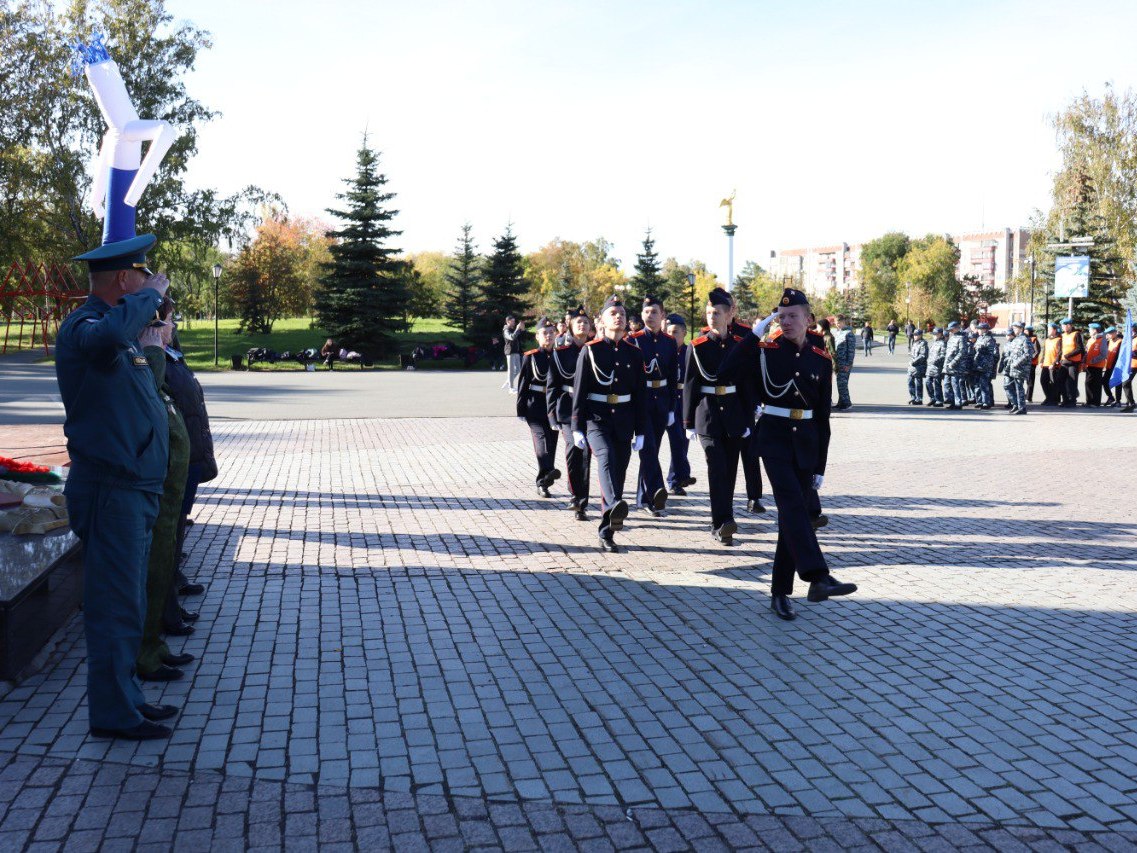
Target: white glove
[757,413]
[747,433]
[761,327]
[818,479]
[671,418]
[690,435]
[158,282]
[638,443]
[578,439]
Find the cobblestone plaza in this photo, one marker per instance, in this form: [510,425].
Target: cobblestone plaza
[402,645]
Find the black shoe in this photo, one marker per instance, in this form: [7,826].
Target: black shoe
[177,660]
[754,507]
[617,515]
[1019,411]
[543,492]
[687,481]
[189,616]
[679,491]
[189,522]
[162,673]
[659,499]
[1126,409]
[652,511]
[726,533]
[145,730]
[608,543]
[548,479]
[782,608]
[154,713]
[829,588]
[180,629]
[819,522]
[955,408]
[936,405]
[191,589]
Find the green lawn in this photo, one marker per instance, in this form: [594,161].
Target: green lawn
[297,334]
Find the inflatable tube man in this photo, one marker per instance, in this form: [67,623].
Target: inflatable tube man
[120,171]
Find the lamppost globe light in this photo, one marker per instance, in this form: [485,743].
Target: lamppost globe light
[216,281]
[217,270]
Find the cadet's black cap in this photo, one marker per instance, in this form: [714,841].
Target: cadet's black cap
[612,301]
[718,296]
[650,300]
[120,255]
[676,320]
[578,311]
[544,323]
[792,297]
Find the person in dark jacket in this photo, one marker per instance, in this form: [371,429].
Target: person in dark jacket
[533,408]
[558,400]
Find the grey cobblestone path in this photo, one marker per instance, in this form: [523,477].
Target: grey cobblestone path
[403,646]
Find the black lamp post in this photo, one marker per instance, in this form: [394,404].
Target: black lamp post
[216,282]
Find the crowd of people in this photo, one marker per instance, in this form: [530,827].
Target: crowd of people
[743,394]
[140,445]
[959,366]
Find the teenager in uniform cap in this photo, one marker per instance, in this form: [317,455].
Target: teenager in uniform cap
[679,471]
[558,398]
[533,408]
[661,364]
[1050,375]
[717,410]
[609,412]
[751,468]
[117,431]
[1073,353]
[794,386]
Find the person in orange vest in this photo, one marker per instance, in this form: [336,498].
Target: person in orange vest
[1114,338]
[1073,353]
[1036,349]
[1051,349]
[1097,351]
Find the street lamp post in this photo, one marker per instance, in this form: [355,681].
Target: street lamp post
[216,282]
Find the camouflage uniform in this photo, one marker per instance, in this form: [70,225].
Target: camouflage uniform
[846,352]
[957,362]
[986,359]
[934,381]
[1016,360]
[917,367]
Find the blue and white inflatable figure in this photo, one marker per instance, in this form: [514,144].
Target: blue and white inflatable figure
[120,173]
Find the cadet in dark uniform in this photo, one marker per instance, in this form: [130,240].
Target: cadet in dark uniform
[558,398]
[117,431]
[794,379]
[661,364]
[717,409]
[609,412]
[679,471]
[751,468]
[533,408]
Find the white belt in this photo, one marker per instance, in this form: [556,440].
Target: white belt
[792,414]
[610,399]
[566,388]
[718,390]
[656,383]
[680,386]
[536,387]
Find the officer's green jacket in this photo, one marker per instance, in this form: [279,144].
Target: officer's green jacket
[117,427]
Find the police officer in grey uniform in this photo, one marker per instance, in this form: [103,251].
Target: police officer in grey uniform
[934,381]
[955,367]
[118,440]
[917,367]
[986,360]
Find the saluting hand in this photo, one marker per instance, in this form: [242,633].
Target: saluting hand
[158,282]
[150,337]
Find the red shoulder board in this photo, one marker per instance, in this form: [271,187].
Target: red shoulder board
[742,325]
[666,335]
[635,334]
[774,335]
[593,341]
[530,352]
[814,333]
[822,352]
[565,347]
[768,344]
[699,340]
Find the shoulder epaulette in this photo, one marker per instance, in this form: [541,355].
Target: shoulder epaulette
[742,325]
[699,340]
[768,344]
[814,332]
[823,352]
[564,347]
[635,334]
[593,341]
[666,335]
[530,352]
[774,335]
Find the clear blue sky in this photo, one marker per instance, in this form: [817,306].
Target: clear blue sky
[833,120]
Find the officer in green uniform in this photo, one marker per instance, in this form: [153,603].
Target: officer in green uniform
[155,661]
[117,432]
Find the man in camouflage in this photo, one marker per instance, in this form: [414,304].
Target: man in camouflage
[1017,356]
[917,367]
[846,352]
[986,359]
[956,365]
[935,381]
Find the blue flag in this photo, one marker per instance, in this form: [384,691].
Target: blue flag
[1123,369]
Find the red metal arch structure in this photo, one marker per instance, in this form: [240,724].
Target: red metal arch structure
[36,297]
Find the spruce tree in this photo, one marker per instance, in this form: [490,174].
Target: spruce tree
[362,293]
[648,279]
[502,288]
[462,282]
[565,294]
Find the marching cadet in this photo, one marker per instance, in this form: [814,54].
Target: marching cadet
[1016,359]
[751,467]
[717,409]
[917,367]
[609,412]
[954,366]
[1097,353]
[986,361]
[1036,349]
[1049,377]
[661,363]
[1112,349]
[794,385]
[1073,352]
[558,397]
[934,381]
[533,409]
[679,472]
